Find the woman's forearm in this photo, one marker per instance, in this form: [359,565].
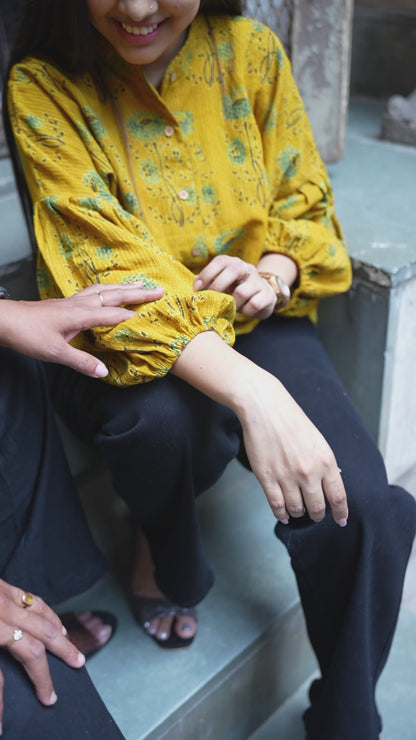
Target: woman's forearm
[290,458]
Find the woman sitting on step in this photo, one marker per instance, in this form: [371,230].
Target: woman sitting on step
[167,141]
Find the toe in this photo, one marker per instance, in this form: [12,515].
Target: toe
[164,628]
[152,626]
[103,633]
[186,626]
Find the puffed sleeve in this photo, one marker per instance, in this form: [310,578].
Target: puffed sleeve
[302,221]
[86,235]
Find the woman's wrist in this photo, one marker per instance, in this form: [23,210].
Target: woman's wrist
[280,265]
[216,369]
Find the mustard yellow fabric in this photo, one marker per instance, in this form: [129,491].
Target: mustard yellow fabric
[148,185]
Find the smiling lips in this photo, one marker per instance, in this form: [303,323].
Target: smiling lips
[139,30]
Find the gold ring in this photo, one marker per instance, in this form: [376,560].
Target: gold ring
[27,599]
[100,295]
[17,635]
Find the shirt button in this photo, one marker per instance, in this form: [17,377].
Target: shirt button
[169,130]
[183,194]
[196,251]
[173,77]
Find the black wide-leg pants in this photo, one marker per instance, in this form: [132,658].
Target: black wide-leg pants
[166,443]
[45,548]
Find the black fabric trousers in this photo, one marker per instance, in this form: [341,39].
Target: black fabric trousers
[166,443]
[45,548]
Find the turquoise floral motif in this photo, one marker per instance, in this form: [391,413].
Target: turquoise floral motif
[43,279]
[209,322]
[186,122]
[35,123]
[191,195]
[20,74]
[178,344]
[83,132]
[51,203]
[280,59]
[146,126]
[104,252]
[90,204]
[289,161]
[124,334]
[131,204]
[236,105]
[95,123]
[290,202]
[147,281]
[236,151]
[225,51]
[66,247]
[208,195]
[224,241]
[257,26]
[187,61]
[270,119]
[148,170]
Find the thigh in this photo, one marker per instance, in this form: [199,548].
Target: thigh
[148,429]
[79,711]
[39,507]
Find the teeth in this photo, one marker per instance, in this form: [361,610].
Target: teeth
[139,30]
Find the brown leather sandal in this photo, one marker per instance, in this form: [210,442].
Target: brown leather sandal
[82,637]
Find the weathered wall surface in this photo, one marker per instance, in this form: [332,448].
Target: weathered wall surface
[321,51]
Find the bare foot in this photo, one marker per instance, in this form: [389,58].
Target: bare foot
[144,585]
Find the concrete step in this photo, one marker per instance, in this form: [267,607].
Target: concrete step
[251,652]
[396,693]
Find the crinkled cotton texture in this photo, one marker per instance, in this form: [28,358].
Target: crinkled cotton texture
[148,185]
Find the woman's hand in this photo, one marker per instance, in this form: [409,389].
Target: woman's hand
[42,329]
[41,630]
[289,456]
[253,295]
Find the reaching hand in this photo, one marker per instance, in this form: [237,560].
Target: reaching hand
[27,633]
[42,329]
[253,295]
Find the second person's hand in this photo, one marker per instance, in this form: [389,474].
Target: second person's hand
[43,329]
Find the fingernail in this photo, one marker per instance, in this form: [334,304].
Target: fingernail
[80,659]
[284,521]
[1,728]
[53,698]
[64,630]
[198,284]
[137,284]
[342,522]
[100,371]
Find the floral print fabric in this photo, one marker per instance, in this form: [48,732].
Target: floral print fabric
[150,185]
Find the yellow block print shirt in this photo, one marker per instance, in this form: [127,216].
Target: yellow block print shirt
[148,185]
